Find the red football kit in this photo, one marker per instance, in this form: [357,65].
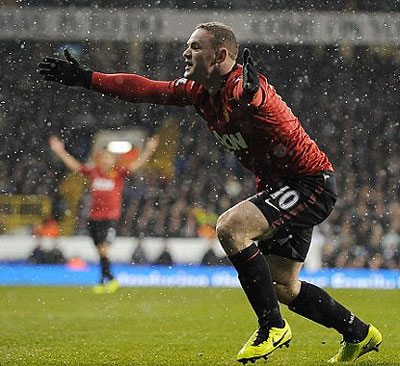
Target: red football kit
[105,191]
[264,134]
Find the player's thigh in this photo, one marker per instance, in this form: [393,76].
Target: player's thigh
[285,274]
[284,270]
[102,233]
[242,221]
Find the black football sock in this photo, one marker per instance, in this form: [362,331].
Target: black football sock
[318,306]
[105,268]
[256,280]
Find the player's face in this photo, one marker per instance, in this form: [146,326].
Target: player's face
[107,160]
[200,56]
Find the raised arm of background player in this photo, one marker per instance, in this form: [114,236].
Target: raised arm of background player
[145,155]
[252,88]
[57,146]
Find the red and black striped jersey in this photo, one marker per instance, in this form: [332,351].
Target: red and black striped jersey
[264,134]
[105,191]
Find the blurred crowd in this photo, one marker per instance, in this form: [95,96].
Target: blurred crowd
[272,5]
[346,97]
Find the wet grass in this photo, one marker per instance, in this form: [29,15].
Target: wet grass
[158,326]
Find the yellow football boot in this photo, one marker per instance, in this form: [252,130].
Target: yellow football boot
[98,289]
[111,286]
[263,342]
[349,352]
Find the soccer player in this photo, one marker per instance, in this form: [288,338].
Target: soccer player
[106,185]
[266,236]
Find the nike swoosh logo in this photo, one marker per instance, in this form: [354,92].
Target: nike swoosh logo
[268,202]
[275,343]
[366,346]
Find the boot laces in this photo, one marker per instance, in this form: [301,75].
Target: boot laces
[262,335]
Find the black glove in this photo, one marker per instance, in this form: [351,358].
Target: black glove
[251,82]
[66,72]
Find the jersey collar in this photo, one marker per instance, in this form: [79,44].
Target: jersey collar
[229,74]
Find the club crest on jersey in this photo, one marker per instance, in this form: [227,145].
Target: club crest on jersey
[112,174]
[180,81]
[231,141]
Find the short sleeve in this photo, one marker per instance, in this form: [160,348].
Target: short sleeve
[123,171]
[86,170]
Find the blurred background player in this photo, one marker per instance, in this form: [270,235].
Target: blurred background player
[106,185]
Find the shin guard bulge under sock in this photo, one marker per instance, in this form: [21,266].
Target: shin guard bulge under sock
[256,280]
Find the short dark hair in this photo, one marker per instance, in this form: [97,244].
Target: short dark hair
[223,36]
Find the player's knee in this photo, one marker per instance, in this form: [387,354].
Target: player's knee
[229,233]
[102,250]
[229,224]
[287,291]
[223,228]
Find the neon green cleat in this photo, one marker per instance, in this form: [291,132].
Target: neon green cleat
[111,286]
[349,352]
[99,289]
[263,342]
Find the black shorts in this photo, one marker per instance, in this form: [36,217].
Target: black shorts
[293,209]
[102,231]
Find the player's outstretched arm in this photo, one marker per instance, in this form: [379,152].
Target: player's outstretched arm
[130,87]
[147,153]
[251,81]
[68,72]
[57,146]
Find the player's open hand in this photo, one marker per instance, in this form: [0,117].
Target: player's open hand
[251,82]
[56,145]
[68,72]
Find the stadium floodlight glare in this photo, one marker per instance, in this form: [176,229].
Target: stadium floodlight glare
[119,147]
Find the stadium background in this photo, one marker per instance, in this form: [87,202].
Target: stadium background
[342,82]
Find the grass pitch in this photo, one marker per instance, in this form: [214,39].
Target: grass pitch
[175,326]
